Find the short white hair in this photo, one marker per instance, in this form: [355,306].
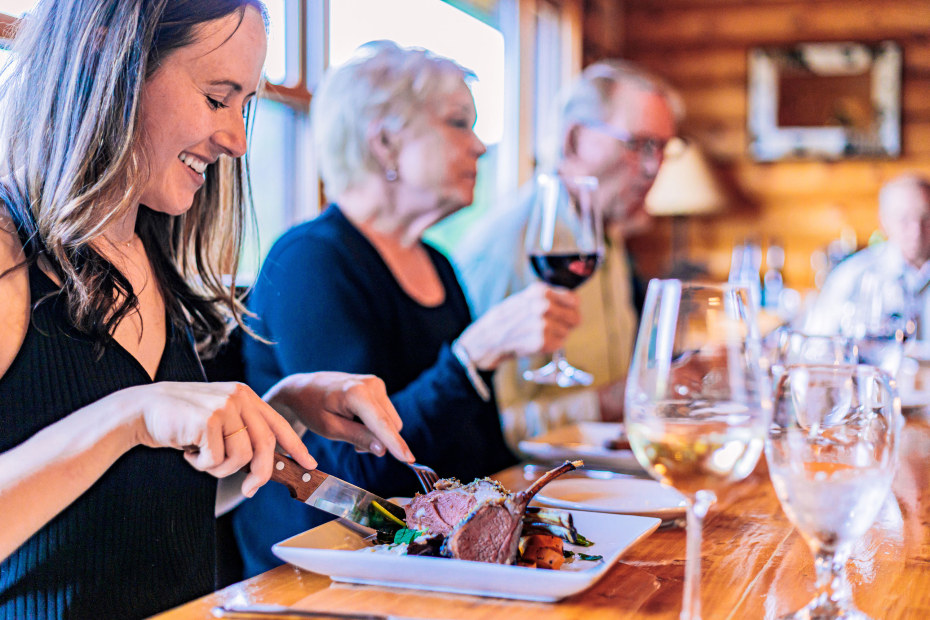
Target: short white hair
[593,97]
[382,87]
[890,193]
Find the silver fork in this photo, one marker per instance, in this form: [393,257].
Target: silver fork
[426,475]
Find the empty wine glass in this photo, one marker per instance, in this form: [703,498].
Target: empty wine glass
[697,400]
[880,316]
[796,347]
[564,244]
[831,456]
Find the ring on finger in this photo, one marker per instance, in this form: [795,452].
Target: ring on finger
[228,435]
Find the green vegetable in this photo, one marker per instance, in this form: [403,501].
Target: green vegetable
[406,535]
[581,556]
[385,513]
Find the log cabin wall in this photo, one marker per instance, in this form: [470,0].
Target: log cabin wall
[701,46]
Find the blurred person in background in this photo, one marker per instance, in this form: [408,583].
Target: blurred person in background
[357,290]
[613,124]
[122,201]
[902,261]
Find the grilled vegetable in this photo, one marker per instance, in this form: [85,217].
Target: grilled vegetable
[556,522]
[542,551]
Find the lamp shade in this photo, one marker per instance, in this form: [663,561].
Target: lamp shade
[685,184]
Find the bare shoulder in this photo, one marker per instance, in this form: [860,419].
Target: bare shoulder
[14,290]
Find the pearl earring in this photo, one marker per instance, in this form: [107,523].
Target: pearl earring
[390,174]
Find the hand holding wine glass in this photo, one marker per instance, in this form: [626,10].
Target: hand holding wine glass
[697,399]
[564,244]
[831,456]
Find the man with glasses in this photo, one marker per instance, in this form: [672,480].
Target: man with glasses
[612,124]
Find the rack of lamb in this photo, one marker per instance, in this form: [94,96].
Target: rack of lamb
[479,521]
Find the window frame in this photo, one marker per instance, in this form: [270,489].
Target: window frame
[517,21]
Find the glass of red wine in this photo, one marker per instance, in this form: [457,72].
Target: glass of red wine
[564,243]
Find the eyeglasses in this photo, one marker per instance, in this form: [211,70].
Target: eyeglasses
[648,148]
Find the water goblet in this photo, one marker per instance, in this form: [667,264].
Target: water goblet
[831,455]
[797,347]
[880,317]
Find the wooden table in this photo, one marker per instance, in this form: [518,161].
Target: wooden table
[754,565]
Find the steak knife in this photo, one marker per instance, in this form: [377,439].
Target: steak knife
[337,497]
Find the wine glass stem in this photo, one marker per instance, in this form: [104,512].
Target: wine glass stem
[833,590]
[558,357]
[697,509]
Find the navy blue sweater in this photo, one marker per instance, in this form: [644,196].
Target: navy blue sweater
[327,301]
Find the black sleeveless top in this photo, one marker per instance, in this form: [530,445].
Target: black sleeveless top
[142,538]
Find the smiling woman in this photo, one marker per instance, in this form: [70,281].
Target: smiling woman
[192,110]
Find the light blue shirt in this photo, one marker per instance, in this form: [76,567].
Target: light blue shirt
[885,260]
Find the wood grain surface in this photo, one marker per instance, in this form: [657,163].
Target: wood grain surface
[701,46]
[754,565]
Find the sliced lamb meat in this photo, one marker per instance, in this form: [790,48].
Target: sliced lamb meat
[490,534]
[449,503]
[482,519]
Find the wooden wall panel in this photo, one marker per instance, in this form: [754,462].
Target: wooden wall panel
[702,46]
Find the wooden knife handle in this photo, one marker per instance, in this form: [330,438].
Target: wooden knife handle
[299,481]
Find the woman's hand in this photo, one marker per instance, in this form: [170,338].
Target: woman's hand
[220,426]
[535,320]
[330,403]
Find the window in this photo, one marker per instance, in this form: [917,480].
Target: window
[486,36]
[276,64]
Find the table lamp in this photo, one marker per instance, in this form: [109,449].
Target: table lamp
[685,186]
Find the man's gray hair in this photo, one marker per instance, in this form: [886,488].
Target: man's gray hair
[383,87]
[888,194]
[591,98]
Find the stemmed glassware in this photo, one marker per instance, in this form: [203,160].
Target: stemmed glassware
[880,316]
[796,347]
[564,244]
[831,456]
[697,400]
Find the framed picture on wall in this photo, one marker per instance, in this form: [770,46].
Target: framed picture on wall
[825,101]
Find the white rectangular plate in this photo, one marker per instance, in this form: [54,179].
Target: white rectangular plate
[585,440]
[332,549]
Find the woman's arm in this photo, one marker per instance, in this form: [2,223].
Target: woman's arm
[43,475]
[333,319]
[46,473]
[220,427]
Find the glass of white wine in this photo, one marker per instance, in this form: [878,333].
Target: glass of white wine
[831,452]
[697,399]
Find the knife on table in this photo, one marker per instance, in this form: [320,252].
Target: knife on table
[337,497]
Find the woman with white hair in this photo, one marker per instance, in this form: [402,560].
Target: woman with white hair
[122,197]
[357,290]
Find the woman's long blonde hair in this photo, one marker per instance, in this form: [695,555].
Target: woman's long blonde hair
[69,123]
